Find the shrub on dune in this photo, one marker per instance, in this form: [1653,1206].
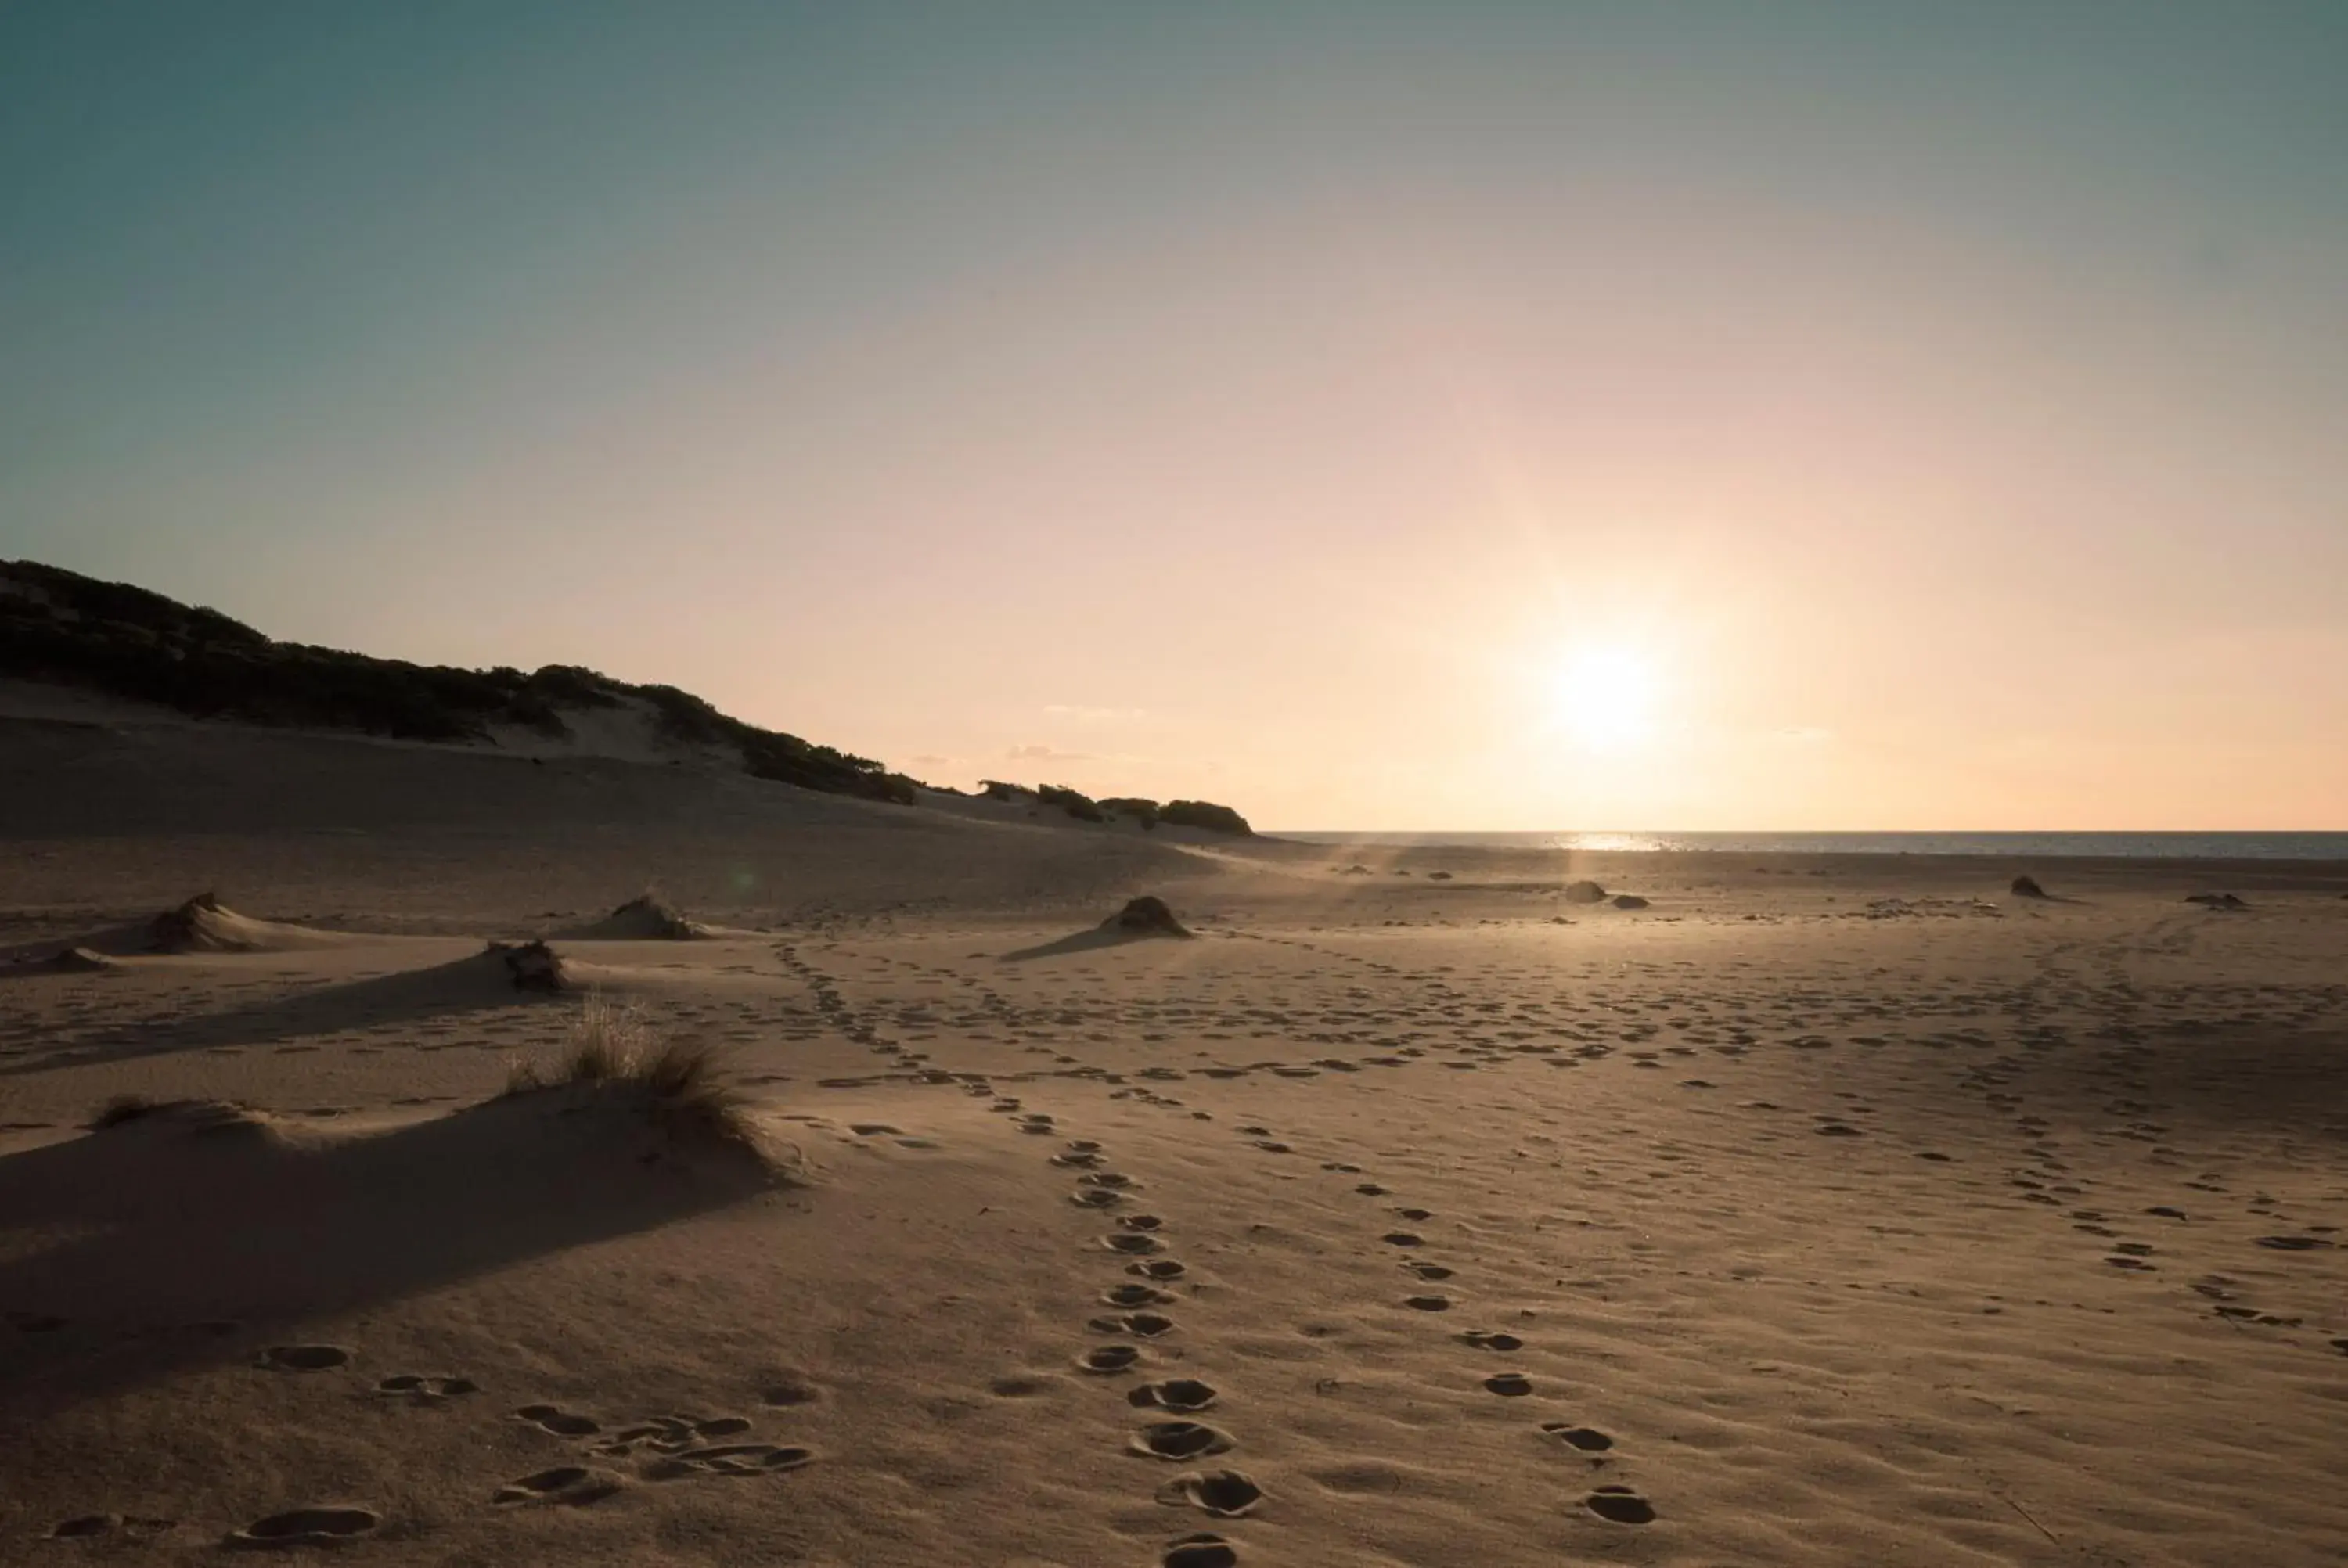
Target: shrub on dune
[680,1086]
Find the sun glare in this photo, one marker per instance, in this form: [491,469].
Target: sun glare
[1607,698]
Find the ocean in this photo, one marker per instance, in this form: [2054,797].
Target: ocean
[2002,845]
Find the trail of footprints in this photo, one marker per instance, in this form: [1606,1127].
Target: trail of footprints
[1174,1431]
[1612,1501]
[656,1447]
[1171,1429]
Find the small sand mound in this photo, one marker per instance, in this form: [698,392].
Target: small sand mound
[1584,892]
[1147,916]
[78,961]
[647,917]
[534,966]
[2027,888]
[208,1117]
[204,924]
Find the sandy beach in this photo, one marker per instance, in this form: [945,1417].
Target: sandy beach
[1409,1212]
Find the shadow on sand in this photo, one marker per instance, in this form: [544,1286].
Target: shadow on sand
[153,1244]
[480,983]
[1090,941]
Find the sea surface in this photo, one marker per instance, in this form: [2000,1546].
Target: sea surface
[2006,846]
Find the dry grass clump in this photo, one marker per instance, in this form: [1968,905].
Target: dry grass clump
[194,1115]
[680,1085]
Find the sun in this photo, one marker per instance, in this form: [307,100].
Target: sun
[1608,697]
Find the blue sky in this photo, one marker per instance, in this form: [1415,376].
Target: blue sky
[1956,389]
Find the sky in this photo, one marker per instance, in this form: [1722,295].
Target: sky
[1669,414]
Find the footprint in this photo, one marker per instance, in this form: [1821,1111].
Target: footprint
[308,1527]
[1486,1339]
[1110,1359]
[562,1423]
[1181,1439]
[1200,1552]
[1620,1504]
[1428,1303]
[1415,1216]
[1141,1221]
[1173,1394]
[733,1459]
[1402,1238]
[303,1358]
[1133,1244]
[417,1387]
[1225,1493]
[1158,1268]
[572,1484]
[1428,1270]
[93,1525]
[1141,1324]
[1018,1387]
[1508,1385]
[1096,1199]
[791,1391]
[1136,1295]
[1371,1190]
[1589,1439]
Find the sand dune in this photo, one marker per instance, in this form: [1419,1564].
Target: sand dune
[1833,1211]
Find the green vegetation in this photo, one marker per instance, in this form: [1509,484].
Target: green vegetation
[1205,813]
[1144,811]
[1083,807]
[61,627]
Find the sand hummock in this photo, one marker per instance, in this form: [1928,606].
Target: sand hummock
[1148,916]
[647,917]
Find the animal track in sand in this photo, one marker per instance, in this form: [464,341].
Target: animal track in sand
[1414,1215]
[1110,1359]
[1200,1552]
[308,1527]
[1158,1268]
[1402,1238]
[303,1358]
[415,1385]
[561,1422]
[1181,1439]
[1096,1199]
[1133,1244]
[572,1485]
[1509,1385]
[1225,1493]
[1173,1394]
[1141,1221]
[1141,1324]
[1620,1504]
[1428,1270]
[1371,1190]
[1428,1303]
[1488,1339]
[1589,1439]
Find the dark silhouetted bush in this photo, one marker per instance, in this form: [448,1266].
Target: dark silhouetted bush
[61,627]
[1083,807]
[1204,814]
[1144,811]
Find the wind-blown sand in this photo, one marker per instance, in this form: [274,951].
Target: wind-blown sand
[1841,1210]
